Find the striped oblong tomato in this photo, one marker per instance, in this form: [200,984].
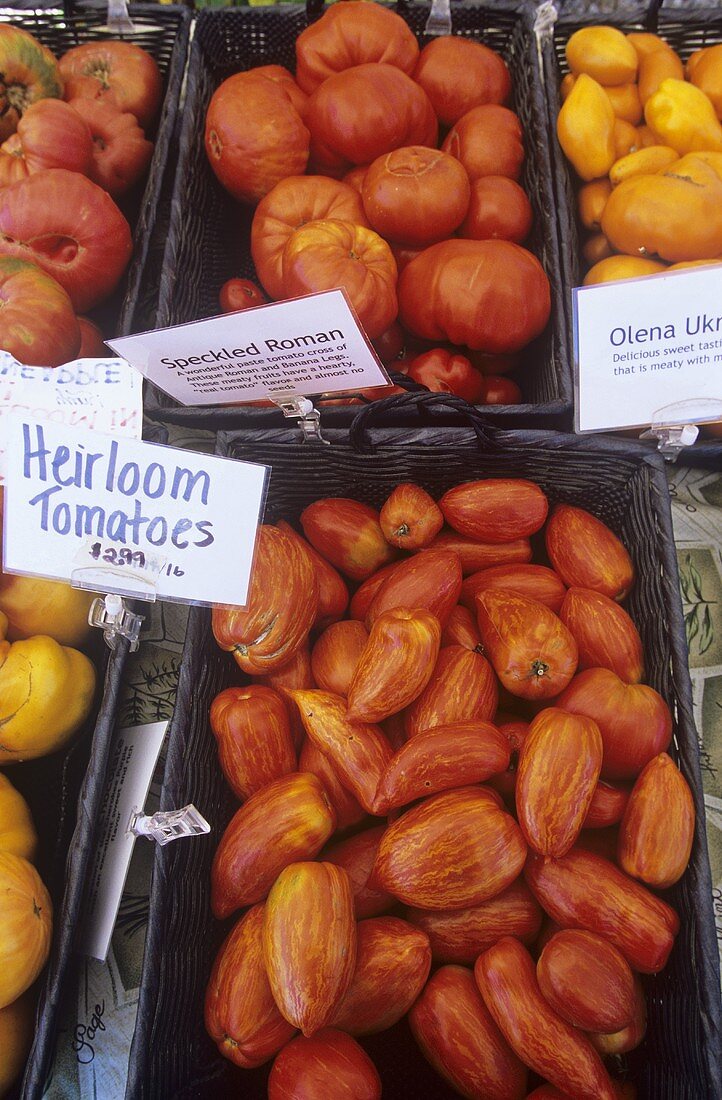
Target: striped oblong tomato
[329,253]
[605,634]
[289,205]
[460,935]
[281,608]
[462,688]
[309,942]
[586,980]
[70,227]
[461,629]
[353,34]
[558,768]
[537,582]
[37,321]
[393,960]
[430,579]
[460,1039]
[475,554]
[586,553]
[296,673]
[507,980]
[50,134]
[357,855]
[657,830]
[247,156]
[348,810]
[410,518]
[533,653]
[584,890]
[254,739]
[332,590]
[495,509]
[451,851]
[359,751]
[395,665]
[240,1013]
[348,534]
[363,112]
[287,820]
[441,758]
[30,73]
[329,1063]
[490,296]
[336,654]
[26,925]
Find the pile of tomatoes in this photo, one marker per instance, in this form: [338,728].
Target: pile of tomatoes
[393,172]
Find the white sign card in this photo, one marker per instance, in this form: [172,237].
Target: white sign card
[303,346]
[646,346]
[134,757]
[125,516]
[105,395]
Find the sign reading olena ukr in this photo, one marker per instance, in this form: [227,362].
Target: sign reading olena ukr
[649,351]
[303,346]
[121,515]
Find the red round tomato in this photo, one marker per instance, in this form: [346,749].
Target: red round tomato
[121,153]
[37,319]
[92,344]
[491,296]
[285,80]
[389,345]
[118,72]
[326,254]
[498,208]
[238,294]
[457,74]
[247,154]
[355,177]
[349,34]
[70,227]
[289,205]
[488,142]
[357,115]
[445,371]
[415,195]
[50,134]
[500,391]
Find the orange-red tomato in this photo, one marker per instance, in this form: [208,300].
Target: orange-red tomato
[238,294]
[457,74]
[498,207]
[117,72]
[488,142]
[446,371]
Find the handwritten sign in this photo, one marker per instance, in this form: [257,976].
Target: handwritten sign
[649,350]
[105,395]
[304,346]
[149,520]
[134,757]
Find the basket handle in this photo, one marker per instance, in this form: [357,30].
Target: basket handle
[425,404]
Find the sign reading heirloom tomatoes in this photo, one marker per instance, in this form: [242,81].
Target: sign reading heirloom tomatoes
[649,351]
[303,346]
[120,515]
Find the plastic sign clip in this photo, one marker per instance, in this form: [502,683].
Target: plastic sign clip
[672,438]
[115,620]
[309,418]
[167,825]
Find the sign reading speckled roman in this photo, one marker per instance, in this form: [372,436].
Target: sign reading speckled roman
[120,515]
[303,346]
[649,351]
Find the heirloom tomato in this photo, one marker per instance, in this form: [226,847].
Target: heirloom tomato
[30,72]
[120,151]
[37,321]
[49,135]
[117,72]
[457,74]
[445,371]
[488,141]
[239,294]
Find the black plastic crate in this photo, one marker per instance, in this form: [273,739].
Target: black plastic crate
[209,233]
[686,28]
[625,486]
[164,32]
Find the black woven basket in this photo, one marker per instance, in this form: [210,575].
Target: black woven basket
[208,237]
[686,29]
[164,32]
[625,486]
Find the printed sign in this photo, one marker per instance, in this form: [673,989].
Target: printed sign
[303,346]
[135,753]
[124,516]
[649,351]
[105,395]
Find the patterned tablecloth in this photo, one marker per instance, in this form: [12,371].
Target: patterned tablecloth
[89,1068]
